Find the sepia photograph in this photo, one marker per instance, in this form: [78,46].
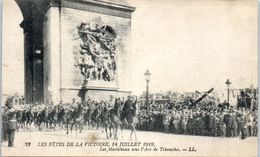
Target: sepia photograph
[130,78]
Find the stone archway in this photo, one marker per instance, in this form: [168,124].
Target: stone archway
[33,12]
[50,28]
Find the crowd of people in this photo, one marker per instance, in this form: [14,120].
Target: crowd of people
[202,119]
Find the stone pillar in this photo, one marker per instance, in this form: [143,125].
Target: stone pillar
[36,72]
[28,48]
[51,34]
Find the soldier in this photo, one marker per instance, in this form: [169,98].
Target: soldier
[201,124]
[255,127]
[250,124]
[127,106]
[74,102]
[166,120]
[215,121]
[171,121]
[233,130]
[239,121]
[11,126]
[211,124]
[176,121]
[111,101]
[222,126]
[184,120]
[244,125]
[189,125]
[228,121]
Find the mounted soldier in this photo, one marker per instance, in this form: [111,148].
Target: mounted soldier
[127,105]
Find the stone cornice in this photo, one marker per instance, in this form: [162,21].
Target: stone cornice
[98,6]
[108,4]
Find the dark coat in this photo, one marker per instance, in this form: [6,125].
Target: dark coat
[212,122]
[128,104]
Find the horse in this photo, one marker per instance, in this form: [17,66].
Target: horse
[111,119]
[87,117]
[74,118]
[24,119]
[95,117]
[78,118]
[61,117]
[52,117]
[29,118]
[114,119]
[105,121]
[43,118]
[130,118]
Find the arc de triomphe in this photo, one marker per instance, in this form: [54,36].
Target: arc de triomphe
[69,41]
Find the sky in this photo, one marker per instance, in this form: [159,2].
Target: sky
[12,49]
[187,45]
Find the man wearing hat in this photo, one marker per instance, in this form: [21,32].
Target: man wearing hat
[128,104]
[111,101]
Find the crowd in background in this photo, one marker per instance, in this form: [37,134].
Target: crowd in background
[220,121]
[207,118]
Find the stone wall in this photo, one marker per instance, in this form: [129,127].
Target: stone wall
[64,80]
[52,55]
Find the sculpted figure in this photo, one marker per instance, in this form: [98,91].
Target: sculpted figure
[97,51]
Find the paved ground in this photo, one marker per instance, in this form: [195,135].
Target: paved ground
[42,143]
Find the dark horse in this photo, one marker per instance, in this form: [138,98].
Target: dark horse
[96,117]
[74,118]
[29,117]
[25,118]
[52,117]
[43,118]
[130,118]
[111,119]
[61,117]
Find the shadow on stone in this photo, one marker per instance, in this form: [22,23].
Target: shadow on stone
[82,93]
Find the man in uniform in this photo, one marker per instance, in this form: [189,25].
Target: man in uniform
[130,108]
[176,121]
[127,105]
[112,101]
[183,122]
[244,132]
[234,124]
[250,123]
[228,122]
[11,126]
[211,124]
[222,125]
